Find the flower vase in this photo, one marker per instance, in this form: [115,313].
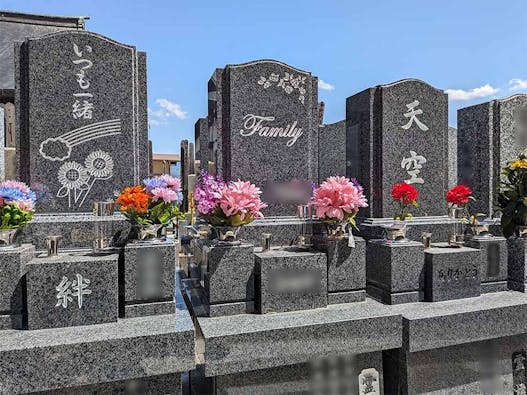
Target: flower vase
[9,238]
[521,232]
[396,232]
[150,233]
[226,234]
[457,213]
[336,229]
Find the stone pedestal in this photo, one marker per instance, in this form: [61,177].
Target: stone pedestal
[71,289]
[452,273]
[228,278]
[290,281]
[395,271]
[148,278]
[12,263]
[346,268]
[517,261]
[493,262]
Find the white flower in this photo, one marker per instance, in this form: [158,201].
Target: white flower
[274,77]
[73,175]
[288,89]
[99,164]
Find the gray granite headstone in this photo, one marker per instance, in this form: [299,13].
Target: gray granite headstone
[489,135]
[2,144]
[399,133]
[185,165]
[332,150]
[201,134]
[81,105]
[267,124]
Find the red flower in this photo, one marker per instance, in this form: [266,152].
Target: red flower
[404,192]
[459,195]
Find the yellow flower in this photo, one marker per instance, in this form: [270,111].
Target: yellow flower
[519,164]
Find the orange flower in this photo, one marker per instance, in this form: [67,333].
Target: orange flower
[134,198]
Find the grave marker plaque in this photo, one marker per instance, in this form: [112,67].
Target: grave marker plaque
[268,124]
[81,101]
[399,133]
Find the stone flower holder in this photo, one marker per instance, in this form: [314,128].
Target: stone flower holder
[396,232]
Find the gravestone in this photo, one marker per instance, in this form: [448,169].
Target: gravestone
[81,107]
[489,135]
[264,125]
[399,133]
[201,137]
[332,150]
[2,144]
[185,164]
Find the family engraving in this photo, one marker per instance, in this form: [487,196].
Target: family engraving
[258,124]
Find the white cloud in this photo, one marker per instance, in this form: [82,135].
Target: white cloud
[325,85]
[483,91]
[171,109]
[517,84]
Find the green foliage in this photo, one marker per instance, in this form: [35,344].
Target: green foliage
[14,217]
[158,213]
[403,214]
[218,218]
[512,198]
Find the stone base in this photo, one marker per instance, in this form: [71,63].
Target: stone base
[439,226]
[517,286]
[218,310]
[494,286]
[347,297]
[168,384]
[394,297]
[11,321]
[152,308]
[290,281]
[283,229]
[77,230]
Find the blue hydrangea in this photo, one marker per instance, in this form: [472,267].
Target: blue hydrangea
[179,198]
[155,182]
[12,194]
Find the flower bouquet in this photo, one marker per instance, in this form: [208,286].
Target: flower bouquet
[512,198]
[337,201]
[152,206]
[17,205]
[459,198]
[404,195]
[227,206]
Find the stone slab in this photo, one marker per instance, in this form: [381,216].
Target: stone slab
[517,262]
[77,230]
[346,297]
[290,281]
[346,265]
[442,324]
[332,152]
[149,271]
[321,376]
[84,355]
[228,272]
[150,308]
[439,226]
[250,341]
[71,289]
[268,117]
[394,298]
[395,269]
[494,257]
[233,308]
[398,132]
[12,262]
[452,272]
[82,118]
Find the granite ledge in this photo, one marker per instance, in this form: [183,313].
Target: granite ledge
[441,324]
[76,356]
[249,342]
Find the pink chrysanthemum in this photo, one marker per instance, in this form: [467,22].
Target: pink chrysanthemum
[338,198]
[243,198]
[166,194]
[172,182]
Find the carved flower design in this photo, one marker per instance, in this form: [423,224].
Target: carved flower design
[289,83]
[73,175]
[99,164]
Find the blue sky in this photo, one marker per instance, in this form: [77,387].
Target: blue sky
[475,48]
